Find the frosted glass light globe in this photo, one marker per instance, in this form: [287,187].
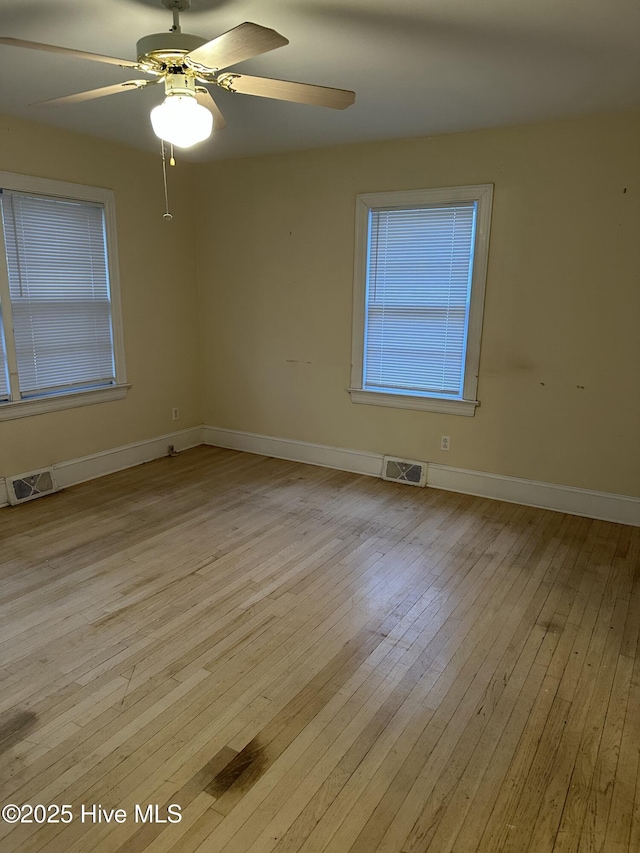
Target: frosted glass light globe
[181,120]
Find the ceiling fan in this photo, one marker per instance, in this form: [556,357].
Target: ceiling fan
[184,62]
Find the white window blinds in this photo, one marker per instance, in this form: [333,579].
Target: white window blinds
[59,291]
[419,270]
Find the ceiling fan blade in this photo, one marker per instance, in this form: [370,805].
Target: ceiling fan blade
[285,90]
[129,86]
[236,45]
[66,51]
[203,96]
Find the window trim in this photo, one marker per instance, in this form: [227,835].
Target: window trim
[70,399]
[466,405]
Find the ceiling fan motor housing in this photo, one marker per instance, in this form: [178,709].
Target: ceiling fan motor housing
[167,48]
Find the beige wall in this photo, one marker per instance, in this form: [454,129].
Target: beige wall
[559,386]
[158,286]
[559,379]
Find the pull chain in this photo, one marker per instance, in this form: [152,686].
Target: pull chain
[165,215]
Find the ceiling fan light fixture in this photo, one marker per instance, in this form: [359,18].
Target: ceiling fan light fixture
[181,120]
[184,62]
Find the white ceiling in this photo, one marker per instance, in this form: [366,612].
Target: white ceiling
[419,67]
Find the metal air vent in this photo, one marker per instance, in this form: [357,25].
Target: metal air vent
[34,484]
[404,471]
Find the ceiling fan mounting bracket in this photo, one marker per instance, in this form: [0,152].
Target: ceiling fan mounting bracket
[180,5]
[176,7]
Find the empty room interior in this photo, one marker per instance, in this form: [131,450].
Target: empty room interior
[320,435]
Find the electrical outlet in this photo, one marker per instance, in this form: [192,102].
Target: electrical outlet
[445,442]
[175,414]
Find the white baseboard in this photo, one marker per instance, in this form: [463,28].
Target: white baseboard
[356,461]
[602,505]
[75,471]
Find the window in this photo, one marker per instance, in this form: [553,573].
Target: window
[60,329]
[420,267]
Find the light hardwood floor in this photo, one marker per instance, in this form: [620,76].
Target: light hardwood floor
[308,661]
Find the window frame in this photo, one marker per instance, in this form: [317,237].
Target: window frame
[19,408]
[482,195]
